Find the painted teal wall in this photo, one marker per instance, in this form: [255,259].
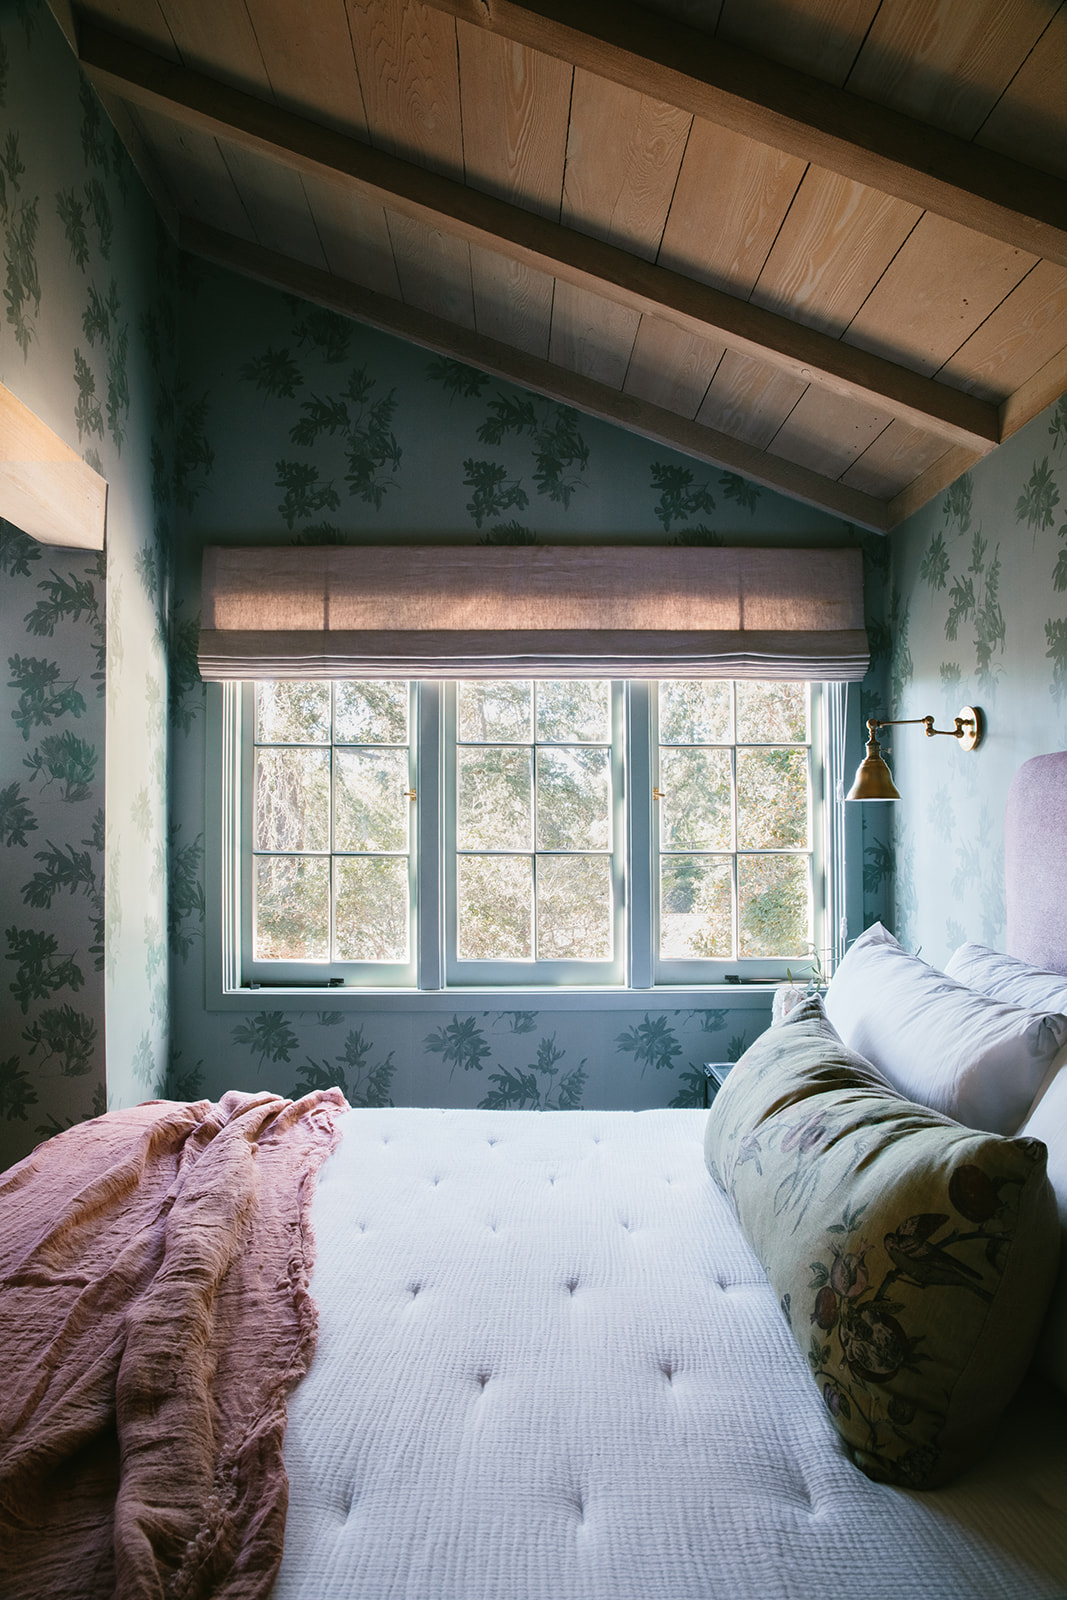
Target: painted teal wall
[979,617]
[87,328]
[300,426]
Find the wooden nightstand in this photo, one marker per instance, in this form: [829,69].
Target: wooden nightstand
[714,1077]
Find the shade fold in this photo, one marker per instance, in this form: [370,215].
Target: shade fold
[412,611]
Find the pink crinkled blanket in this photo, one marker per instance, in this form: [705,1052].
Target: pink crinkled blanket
[154,1316]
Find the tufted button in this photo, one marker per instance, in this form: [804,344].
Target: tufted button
[571,1284]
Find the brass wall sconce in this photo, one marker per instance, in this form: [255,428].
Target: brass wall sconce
[874,781]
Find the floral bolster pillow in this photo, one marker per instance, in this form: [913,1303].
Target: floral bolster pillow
[912,1257]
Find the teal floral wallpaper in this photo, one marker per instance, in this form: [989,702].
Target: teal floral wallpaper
[978,607]
[298,426]
[279,422]
[88,326]
[52,830]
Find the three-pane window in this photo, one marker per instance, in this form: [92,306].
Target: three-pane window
[556,861]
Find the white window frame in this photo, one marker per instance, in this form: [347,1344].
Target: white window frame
[668,970]
[608,973]
[430,980]
[357,974]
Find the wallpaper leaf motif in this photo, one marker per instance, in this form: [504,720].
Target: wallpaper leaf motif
[184,686]
[318,329]
[66,600]
[1057,427]
[652,1042]
[304,494]
[560,453]
[934,567]
[712,1018]
[680,496]
[71,213]
[17,550]
[22,288]
[957,502]
[43,695]
[99,210]
[975,597]
[493,494]
[509,533]
[275,372]
[362,1082]
[1056,638]
[67,1035]
[193,455]
[457,379]
[901,666]
[182,1082]
[693,1088]
[65,870]
[185,898]
[12,168]
[535,1088]
[515,1021]
[267,1035]
[16,1090]
[88,412]
[878,865]
[42,970]
[16,818]
[1039,498]
[1059,571]
[93,127]
[699,536]
[740,491]
[459,1044]
[67,760]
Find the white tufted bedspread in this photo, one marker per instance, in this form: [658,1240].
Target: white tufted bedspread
[549,1368]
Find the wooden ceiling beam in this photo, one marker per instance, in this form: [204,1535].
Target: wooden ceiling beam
[46,489]
[119,67]
[789,110]
[531,372]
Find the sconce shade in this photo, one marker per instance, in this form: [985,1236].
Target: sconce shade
[873,780]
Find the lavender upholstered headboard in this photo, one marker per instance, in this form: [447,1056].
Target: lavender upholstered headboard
[1035,862]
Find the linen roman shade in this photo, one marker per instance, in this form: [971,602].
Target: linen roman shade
[451,611]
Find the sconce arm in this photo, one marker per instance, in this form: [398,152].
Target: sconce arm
[969,726]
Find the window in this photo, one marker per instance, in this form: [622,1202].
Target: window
[735,842]
[329,869]
[512,832]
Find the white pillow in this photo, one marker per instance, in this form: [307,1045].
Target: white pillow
[977,1060]
[1007,978]
[1048,1122]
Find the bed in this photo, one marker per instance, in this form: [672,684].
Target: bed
[550,1363]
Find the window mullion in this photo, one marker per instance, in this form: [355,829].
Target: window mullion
[642,864]
[430,837]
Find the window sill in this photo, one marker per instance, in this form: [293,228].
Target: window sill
[731,996]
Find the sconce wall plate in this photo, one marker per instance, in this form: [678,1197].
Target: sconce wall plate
[972,726]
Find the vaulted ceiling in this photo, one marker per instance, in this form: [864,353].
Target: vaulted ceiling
[821,243]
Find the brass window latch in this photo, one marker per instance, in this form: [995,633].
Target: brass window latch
[411,794]
[658,794]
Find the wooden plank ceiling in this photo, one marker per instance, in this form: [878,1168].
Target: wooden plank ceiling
[822,243]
